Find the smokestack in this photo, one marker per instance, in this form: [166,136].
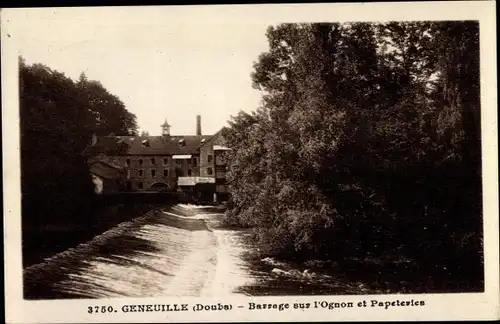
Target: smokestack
[198,125]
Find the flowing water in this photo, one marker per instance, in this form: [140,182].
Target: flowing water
[171,251]
[166,252]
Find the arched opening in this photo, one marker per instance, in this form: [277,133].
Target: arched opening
[159,186]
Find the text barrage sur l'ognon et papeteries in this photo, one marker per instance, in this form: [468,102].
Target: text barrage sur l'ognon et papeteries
[253,306]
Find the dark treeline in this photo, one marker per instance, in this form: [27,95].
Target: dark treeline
[367,144]
[58,117]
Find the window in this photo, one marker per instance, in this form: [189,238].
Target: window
[141,185]
[178,162]
[128,161]
[153,161]
[140,161]
[195,161]
[209,171]
[210,158]
[140,173]
[189,172]
[165,173]
[165,161]
[153,173]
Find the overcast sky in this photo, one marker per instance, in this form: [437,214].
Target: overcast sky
[160,62]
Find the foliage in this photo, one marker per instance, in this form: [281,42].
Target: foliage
[109,115]
[367,140]
[58,118]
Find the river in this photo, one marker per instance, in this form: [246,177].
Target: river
[171,251]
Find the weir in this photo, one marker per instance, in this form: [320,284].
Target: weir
[171,250]
[45,239]
[168,251]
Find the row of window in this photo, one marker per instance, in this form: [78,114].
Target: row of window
[219,188]
[153,173]
[194,161]
[165,173]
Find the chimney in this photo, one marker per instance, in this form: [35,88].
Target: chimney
[198,125]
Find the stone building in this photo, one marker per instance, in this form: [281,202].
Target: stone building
[167,162]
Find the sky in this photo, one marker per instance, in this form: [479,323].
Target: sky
[161,62]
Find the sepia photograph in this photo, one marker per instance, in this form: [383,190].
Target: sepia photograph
[169,158]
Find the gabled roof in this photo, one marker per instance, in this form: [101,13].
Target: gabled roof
[151,145]
[104,159]
[214,137]
[105,170]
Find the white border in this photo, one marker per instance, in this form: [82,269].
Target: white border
[438,306]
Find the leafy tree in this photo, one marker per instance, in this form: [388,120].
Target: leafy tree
[58,118]
[109,112]
[344,106]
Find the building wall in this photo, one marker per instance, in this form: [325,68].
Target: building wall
[144,171]
[139,168]
[220,172]
[207,158]
[214,164]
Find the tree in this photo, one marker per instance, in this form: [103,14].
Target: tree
[55,181]
[344,106]
[456,45]
[58,118]
[109,111]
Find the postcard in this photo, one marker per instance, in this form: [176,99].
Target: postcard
[294,162]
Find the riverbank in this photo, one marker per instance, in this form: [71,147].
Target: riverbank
[384,274]
[183,250]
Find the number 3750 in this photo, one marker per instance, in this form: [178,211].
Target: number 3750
[101,309]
